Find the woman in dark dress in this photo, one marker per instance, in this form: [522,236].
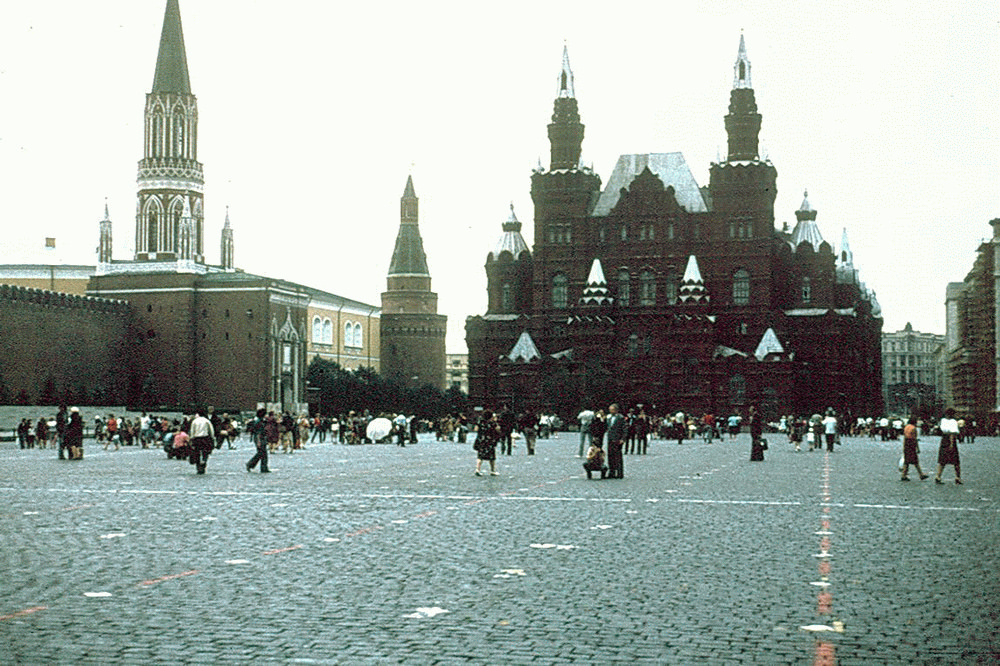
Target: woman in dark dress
[74,435]
[756,436]
[487,438]
[948,452]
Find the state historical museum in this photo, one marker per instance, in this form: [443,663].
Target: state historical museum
[656,291]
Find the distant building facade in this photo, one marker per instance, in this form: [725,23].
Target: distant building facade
[972,321]
[457,372]
[912,372]
[657,291]
[412,331]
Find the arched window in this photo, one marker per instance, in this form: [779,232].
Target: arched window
[737,390]
[327,332]
[807,292]
[647,288]
[506,297]
[348,334]
[317,330]
[560,292]
[357,336]
[741,287]
[623,287]
[178,133]
[670,289]
[633,344]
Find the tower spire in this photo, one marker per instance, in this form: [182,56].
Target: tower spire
[565,130]
[566,77]
[171,63]
[742,121]
[105,246]
[741,70]
[227,253]
[408,256]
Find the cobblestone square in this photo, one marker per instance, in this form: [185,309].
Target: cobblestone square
[380,554]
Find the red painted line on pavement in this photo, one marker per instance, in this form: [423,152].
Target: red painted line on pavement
[425,514]
[22,613]
[824,654]
[281,550]
[147,583]
[364,530]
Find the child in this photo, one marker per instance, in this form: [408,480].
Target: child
[595,460]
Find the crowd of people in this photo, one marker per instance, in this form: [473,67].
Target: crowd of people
[605,437]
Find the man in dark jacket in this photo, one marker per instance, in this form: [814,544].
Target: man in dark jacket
[507,421]
[617,432]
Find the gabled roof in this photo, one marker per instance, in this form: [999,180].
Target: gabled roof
[769,344]
[524,349]
[668,167]
[171,74]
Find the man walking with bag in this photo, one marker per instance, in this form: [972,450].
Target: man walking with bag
[256,431]
[202,440]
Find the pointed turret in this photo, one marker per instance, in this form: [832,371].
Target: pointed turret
[104,248]
[227,254]
[412,332]
[408,257]
[565,130]
[692,289]
[845,258]
[596,291]
[171,63]
[565,88]
[741,70]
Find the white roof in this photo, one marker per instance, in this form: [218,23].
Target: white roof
[524,350]
[510,241]
[769,344]
[692,273]
[596,277]
[668,167]
[807,231]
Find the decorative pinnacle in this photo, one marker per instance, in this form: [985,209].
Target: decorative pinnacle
[512,223]
[566,77]
[741,70]
[227,217]
[107,218]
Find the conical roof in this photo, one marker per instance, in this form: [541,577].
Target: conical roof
[596,291]
[171,63]
[408,256]
[806,230]
[692,289]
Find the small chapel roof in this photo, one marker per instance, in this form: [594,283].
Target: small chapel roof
[671,168]
[511,239]
[596,291]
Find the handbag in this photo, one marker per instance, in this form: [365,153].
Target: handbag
[902,463]
[763,444]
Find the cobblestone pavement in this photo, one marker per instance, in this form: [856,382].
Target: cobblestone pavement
[380,554]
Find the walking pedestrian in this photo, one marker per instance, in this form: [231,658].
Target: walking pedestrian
[830,429]
[948,451]
[74,435]
[757,443]
[487,436]
[258,435]
[911,450]
[506,422]
[202,440]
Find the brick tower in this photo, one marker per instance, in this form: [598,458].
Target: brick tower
[170,179]
[412,332]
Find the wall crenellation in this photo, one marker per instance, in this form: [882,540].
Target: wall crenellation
[46,298]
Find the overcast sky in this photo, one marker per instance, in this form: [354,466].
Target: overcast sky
[312,114]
